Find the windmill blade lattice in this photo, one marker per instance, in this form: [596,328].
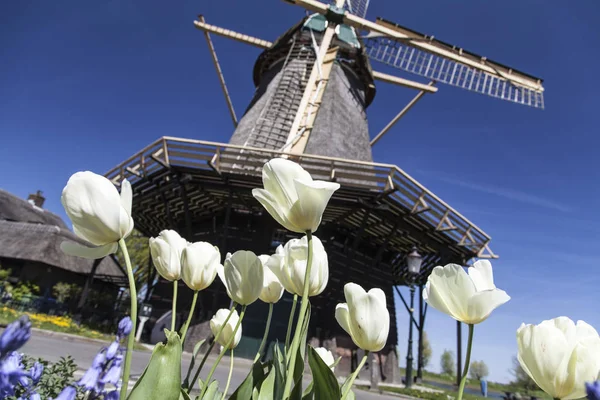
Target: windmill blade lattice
[356,7]
[438,68]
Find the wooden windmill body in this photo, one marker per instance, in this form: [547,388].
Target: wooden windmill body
[313,87]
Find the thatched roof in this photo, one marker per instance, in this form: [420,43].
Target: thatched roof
[13,208]
[33,234]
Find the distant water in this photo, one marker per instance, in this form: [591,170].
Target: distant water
[445,386]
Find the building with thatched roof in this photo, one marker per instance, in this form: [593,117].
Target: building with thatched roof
[30,239]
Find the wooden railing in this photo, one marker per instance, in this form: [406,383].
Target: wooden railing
[408,194]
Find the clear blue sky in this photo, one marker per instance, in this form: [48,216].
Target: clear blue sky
[83,85]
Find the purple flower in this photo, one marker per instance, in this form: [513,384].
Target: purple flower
[114,395]
[15,335]
[36,372]
[35,396]
[124,328]
[90,379]
[593,390]
[112,350]
[113,374]
[68,393]
[11,373]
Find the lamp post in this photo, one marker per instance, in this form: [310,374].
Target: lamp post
[413,263]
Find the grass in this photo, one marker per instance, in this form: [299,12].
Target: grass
[55,323]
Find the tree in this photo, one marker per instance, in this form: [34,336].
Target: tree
[478,370]
[447,363]
[522,379]
[426,351]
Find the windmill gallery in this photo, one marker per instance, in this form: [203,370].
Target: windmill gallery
[314,84]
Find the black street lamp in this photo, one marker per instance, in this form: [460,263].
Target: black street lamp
[413,263]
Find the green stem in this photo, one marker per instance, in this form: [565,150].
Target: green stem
[350,380]
[298,333]
[290,321]
[264,339]
[229,377]
[222,353]
[174,311]
[197,374]
[463,380]
[133,316]
[189,319]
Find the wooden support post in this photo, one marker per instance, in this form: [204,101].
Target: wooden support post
[313,94]
[400,115]
[88,283]
[213,54]
[186,211]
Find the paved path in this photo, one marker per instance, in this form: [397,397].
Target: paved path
[52,347]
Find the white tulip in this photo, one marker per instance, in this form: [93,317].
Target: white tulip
[466,298]
[292,197]
[216,323]
[560,356]
[289,265]
[326,356]
[364,317]
[199,264]
[166,251]
[99,214]
[242,276]
[272,289]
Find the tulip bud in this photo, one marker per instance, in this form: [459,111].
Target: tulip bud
[99,214]
[199,263]
[466,298]
[289,265]
[217,322]
[326,356]
[272,289]
[292,197]
[242,276]
[560,356]
[364,317]
[166,254]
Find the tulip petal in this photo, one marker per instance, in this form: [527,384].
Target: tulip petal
[544,354]
[274,209]
[313,197]
[585,358]
[369,317]
[585,330]
[342,316]
[482,276]
[93,253]
[126,196]
[449,289]
[93,204]
[481,304]
[278,179]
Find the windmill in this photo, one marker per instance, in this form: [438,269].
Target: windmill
[313,86]
[294,76]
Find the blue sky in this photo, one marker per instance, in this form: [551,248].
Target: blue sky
[86,84]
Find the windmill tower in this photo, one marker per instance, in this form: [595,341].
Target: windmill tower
[313,86]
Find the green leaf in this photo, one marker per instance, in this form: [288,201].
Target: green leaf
[161,379]
[267,387]
[351,396]
[246,390]
[326,386]
[304,333]
[183,395]
[309,392]
[296,393]
[280,372]
[212,392]
[186,382]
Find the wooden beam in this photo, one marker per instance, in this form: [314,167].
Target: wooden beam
[213,54]
[263,44]
[404,82]
[400,115]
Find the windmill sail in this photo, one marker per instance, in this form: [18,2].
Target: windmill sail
[496,80]
[357,7]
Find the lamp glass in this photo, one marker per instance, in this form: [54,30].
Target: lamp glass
[414,261]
